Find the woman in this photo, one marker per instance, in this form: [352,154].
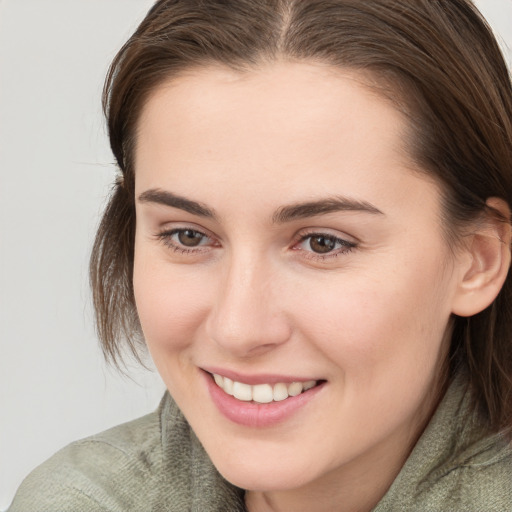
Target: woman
[311,235]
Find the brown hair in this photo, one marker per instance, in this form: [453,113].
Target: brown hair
[443,68]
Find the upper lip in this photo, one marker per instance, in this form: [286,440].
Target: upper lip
[261,378]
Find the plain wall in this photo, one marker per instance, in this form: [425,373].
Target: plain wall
[55,172]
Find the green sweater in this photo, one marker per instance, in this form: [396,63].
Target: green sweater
[156,463]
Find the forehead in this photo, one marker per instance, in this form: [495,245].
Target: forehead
[309,127]
[299,99]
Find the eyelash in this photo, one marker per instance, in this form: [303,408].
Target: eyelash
[345,248]
[166,238]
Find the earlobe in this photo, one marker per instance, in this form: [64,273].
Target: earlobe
[486,263]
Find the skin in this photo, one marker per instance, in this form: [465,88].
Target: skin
[254,297]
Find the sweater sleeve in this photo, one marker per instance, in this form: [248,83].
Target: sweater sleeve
[58,486]
[34,496]
[116,471]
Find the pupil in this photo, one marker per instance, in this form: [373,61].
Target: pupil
[189,238]
[322,244]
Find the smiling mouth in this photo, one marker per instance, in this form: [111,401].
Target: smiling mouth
[263,393]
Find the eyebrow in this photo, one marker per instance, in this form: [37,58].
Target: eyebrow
[282,215]
[182,203]
[322,207]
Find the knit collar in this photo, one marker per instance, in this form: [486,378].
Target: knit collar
[452,438]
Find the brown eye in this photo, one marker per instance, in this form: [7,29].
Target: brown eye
[322,244]
[190,238]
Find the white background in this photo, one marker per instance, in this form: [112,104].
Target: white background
[55,170]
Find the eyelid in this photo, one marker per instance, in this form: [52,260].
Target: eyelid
[327,232]
[348,243]
[165,235]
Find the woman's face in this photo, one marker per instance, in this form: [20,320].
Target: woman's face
[284,237]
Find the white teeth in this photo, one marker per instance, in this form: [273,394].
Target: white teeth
[242,391]
[295,388]
[280,392]
[228,386]
[262,393]
[309,384]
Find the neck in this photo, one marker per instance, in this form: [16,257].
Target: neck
[357,486]
[355,489]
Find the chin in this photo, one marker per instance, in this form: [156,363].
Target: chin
[265,475]
[259,479]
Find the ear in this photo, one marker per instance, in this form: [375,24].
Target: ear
[485,261]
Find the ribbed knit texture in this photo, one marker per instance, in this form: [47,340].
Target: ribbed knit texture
[453,466]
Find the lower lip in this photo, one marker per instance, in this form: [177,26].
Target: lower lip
[251,414]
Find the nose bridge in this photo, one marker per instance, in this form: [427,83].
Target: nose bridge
[246,318]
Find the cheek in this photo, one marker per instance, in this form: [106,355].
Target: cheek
[169,308]
[372,326]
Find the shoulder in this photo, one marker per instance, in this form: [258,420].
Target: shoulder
[460,464]
[153,463]
[102,472]
[456,464]
[480,481]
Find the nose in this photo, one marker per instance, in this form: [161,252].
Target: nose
[247,318]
